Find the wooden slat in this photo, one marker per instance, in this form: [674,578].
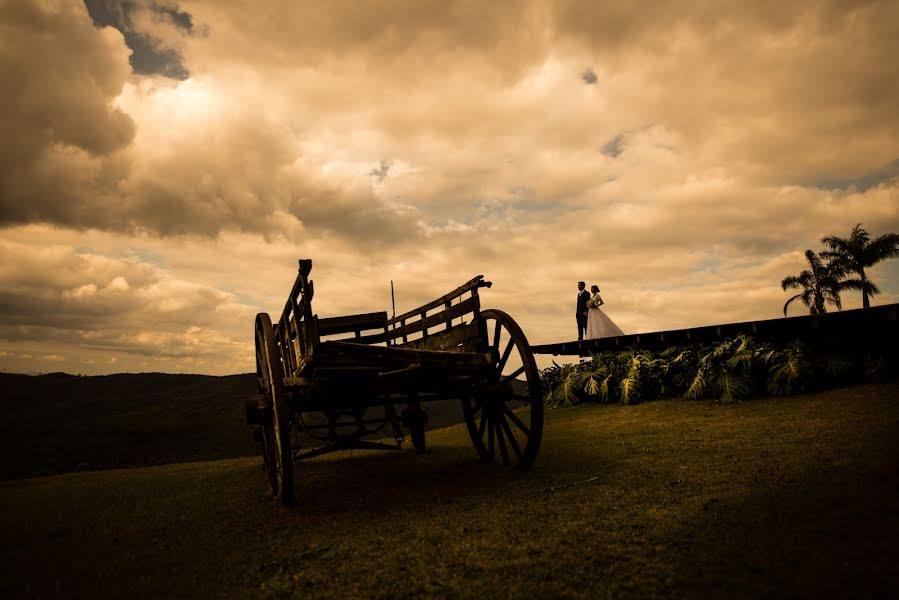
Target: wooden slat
[448,340]
[352,323]
[336,354]
[471,284]
[459,310]
[304,269]
[374,338]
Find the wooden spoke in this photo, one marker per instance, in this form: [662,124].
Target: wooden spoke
[482,424]
[517,435]
[490,439]
[502,443]
[512,441]
[514,418]
[505,357]
[511,376]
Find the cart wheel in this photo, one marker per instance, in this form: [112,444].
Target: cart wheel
[505,414]
[276,429]
[266,425]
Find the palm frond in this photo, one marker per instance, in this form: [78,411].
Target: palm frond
[884,247]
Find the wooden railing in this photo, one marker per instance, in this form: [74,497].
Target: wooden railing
[297,329]
[434,337]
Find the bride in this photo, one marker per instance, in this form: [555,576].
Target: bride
[599,325]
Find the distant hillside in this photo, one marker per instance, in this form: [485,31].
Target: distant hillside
[52,423]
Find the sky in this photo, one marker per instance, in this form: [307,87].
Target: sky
[165,163]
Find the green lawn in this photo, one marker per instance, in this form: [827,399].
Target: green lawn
[772,497]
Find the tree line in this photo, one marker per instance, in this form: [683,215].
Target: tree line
[840,267]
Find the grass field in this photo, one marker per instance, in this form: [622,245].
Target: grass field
[54,423]
[787,497]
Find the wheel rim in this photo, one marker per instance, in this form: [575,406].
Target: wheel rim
[268,431]
[277,428]
[505,414]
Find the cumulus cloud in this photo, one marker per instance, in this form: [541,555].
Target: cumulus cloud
[60,124]
[148,213]
[81,304]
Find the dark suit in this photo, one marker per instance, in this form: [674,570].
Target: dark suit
[581,313]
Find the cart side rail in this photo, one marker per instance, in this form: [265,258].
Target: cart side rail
[358,325]
[297,330]
[438,330]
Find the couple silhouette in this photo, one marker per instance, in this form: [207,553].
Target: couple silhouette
[592,322]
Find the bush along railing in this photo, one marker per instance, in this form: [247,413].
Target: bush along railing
[729,371]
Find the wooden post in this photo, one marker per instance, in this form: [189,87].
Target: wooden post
[392,300]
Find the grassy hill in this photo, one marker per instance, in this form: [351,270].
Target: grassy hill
[53,423]
[776,497]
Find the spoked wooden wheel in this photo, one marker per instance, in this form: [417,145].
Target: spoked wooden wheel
[276,427]
[505,415]
[267,439]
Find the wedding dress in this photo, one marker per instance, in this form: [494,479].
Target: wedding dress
[599,325]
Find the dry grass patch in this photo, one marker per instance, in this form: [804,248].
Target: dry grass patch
[778,497]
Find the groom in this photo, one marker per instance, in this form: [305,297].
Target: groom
[582,296]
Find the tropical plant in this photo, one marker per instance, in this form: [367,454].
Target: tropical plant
[820,284]
[627,377]
[858,252]
[875,365]
[724,371]
[728,371]
[560,385]
[789,370]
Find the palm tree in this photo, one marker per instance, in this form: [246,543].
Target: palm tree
[857,252]
[819,285]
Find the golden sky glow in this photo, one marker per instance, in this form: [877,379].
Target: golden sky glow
[682,158]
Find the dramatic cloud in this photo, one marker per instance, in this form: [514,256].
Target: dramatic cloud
[166,162]
[59,125]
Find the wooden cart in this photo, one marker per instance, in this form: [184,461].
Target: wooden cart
[327,383]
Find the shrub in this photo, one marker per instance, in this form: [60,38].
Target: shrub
[729,371]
